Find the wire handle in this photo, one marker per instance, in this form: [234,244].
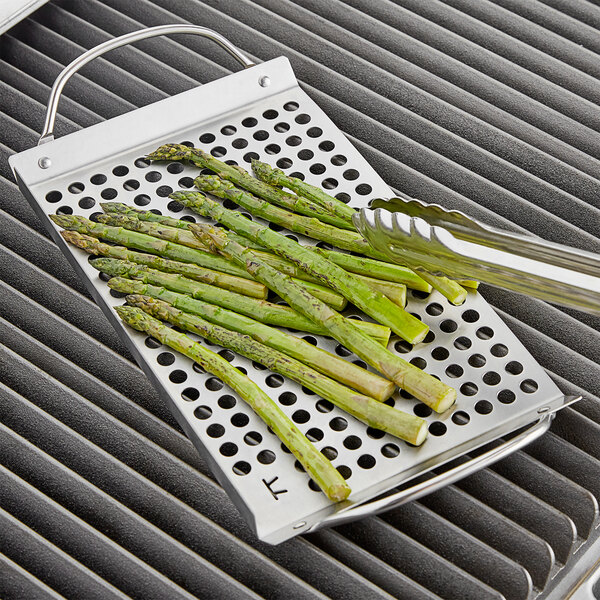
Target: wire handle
[438,481]
[128,38]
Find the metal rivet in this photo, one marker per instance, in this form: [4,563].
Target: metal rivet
[264,81]
[44,162]
[543,409]
[298,525]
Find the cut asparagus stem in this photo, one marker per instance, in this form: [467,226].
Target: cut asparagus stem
[311,227]
[329,364]
[232,283]
[150,244]
[242,178]
[469,283]
[272,314]
[426,388]
[374,268]
[277,177]
[319,468]
[375,414]
[373,303]
[396,292]
[447,287]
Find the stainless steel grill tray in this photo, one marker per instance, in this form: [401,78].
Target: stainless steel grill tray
[261,112]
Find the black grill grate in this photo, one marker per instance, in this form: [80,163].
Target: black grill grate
[489,107]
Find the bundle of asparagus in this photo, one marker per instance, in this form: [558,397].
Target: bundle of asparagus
[213,282]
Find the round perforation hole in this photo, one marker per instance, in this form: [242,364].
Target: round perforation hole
[477,360]
[240,420]
[253,438]
[174,206]
[250,156]
[274,381]
[177,376]
[315,434]
[293,140]
[122,170]
[290,106]
[448,326]
[363,189]
[499,350]
[324,406]
[174,168]
[483,407]
[455,371]
[438,428]
[142,200]
[219,151]
[440,353]
[281,127]
[422,410]
[306,154]
[190,394]
[366,461]
[402,346]
[329,453]
[351,174]
[338,160]
[228,449]
[54,196]
[462,343]
[329,183]
[529,386]
[352,442]
[131,185]
[470,316]
[87,203]
[98,179]
[514,367]
[165,359]
[506,396]
[272,149]
[468,389]
[343,197]
[492,378]
[228,130]
[317,169]
[344,471]
[186,182]
[284,163]
[434,309]
[342,350]
[163,191]
[153,176]
[314,132]
[227,401]
[326,146]
[376,434]
[390,450]
[266,457]
[270,114]
[419,362]
[109,193]
[140,163]
[301,416]
[287,398]
[207,138]
[302,119]
[460,417]
[338,424]
[261,135]
[241,468]
[213,384]
[203,412]
[152,343]
[215,430]
[485,333]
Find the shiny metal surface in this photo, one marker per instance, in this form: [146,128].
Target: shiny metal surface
[239,117]
[453,244]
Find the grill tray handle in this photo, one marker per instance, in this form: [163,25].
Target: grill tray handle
[440,480]
[128,38]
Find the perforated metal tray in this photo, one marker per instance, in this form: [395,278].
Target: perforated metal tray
[261,112]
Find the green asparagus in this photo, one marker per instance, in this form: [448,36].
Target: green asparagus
[277,177]
[319,468]
[309,226]
[375,414]
[426,388]
[266,312]
[150,244]
[373,303]
[242,178]
[329,364]
[232,283]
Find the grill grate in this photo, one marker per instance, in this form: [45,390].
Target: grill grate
[478,90]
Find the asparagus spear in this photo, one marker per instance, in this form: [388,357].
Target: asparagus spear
[232,283]
[147,243]
[187,238]
[426,388]
[329,364]
[375,268]
[242,178]
[396,292]
[403,425]
[319,468]
[356,291]
[277,177]
[311,227]
[449,288]
[273,314]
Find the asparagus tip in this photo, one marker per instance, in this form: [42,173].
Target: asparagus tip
[213,237]
[171,152]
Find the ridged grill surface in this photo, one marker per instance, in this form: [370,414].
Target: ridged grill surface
[487,107]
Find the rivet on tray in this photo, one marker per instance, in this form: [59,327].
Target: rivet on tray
[44,162]
[264,81]
[543,409]
[299,525]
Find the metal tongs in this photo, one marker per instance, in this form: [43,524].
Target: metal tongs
[450,243]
